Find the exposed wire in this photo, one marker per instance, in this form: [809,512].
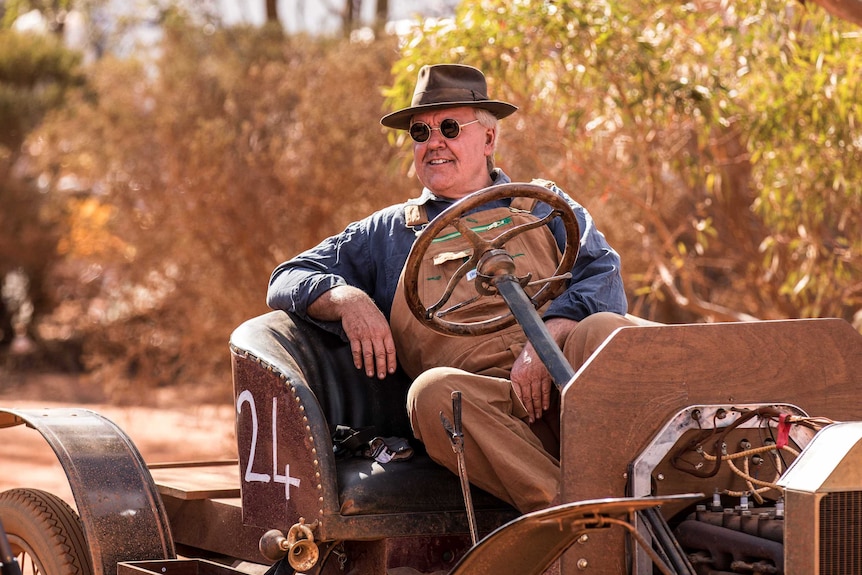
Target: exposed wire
[715,439]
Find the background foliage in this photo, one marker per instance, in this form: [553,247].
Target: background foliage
[35,75]
[721,133]
[716,144]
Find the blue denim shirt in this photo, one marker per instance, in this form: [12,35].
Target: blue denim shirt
[369,254]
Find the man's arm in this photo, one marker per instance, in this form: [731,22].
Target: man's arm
[596,285]
[327,285]
[364,325]
[339,260]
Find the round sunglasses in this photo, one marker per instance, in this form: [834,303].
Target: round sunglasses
[420,131]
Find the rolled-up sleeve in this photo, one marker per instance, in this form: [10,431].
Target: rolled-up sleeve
[338,260]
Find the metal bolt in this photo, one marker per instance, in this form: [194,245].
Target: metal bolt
[660,476]
[583,538]
[583,563]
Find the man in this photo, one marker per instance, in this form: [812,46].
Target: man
[350,284]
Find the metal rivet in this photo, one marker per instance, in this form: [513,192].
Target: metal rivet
[583,563]
[583,538]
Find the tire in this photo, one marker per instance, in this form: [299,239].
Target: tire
[45,533]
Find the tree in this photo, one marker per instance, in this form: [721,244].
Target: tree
[694,114]
[243,149]
[717,147]
[272,10]
[36,74]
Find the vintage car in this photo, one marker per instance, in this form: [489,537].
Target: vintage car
[687,449]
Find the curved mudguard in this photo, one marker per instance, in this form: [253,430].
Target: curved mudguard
[531,543]
[124,517]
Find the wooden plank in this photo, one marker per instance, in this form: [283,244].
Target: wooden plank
[642,376]
[202,480]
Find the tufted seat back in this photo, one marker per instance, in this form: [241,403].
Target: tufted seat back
[293,383]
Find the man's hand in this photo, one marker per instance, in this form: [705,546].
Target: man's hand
[530,378]
[367,330]
[532,382]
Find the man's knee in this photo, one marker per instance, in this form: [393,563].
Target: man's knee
[432,386]
[604,323]
[590,334]
[430,393]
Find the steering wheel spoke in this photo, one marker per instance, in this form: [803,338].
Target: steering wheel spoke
[480,245]
[489,259]
[506,236]
[462,271]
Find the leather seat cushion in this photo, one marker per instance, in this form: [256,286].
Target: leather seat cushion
[417,485]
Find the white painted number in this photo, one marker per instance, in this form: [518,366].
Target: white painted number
[252,476]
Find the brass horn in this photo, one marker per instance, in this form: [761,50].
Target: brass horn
[299,546]
[303,555]
[302,551]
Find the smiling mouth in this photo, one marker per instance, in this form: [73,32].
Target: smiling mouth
[439,162]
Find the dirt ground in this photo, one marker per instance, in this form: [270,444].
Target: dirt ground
[171,427]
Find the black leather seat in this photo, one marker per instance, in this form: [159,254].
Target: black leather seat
[308,376]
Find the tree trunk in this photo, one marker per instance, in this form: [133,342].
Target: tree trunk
[272,11]
[350,12]
[381,14]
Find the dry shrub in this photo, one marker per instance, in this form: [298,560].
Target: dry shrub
[237,150]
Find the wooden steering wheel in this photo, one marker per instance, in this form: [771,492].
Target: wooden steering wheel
[491,262]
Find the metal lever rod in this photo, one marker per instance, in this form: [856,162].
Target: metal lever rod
[456,435]
[535,329]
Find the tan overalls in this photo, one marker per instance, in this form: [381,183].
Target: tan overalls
[506,456]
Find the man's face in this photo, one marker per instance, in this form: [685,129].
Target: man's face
[453,168]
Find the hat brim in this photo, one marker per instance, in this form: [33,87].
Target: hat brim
[400,120]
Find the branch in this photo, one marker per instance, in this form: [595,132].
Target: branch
[690,301]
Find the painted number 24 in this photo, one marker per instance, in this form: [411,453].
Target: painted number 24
[250,475]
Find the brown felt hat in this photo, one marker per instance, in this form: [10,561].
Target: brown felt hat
[447,86]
